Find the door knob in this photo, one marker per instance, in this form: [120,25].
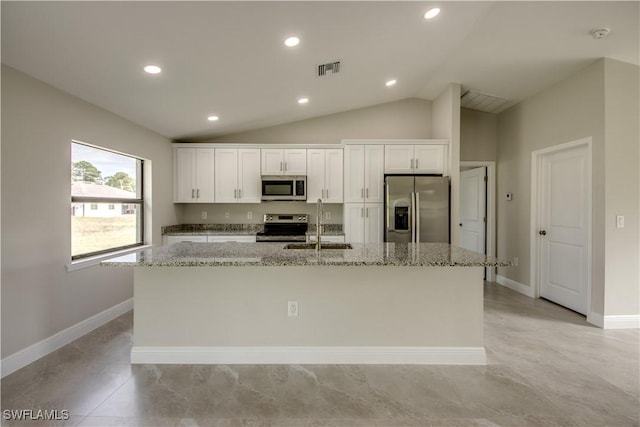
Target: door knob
[542,232]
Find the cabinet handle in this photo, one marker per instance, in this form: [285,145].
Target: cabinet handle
[366,210]
[367,193]
[235,193]
[362,193]
[198,193]
[193,193]
[239,193]
[280,166]
[411,163]
[416,163]
[362,212]
[327,191]
[285,166]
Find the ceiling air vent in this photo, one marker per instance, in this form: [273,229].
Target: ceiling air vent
[483,102]
[329,68]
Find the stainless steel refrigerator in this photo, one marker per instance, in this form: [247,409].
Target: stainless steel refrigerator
[416,209]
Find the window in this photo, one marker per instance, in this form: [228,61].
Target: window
[106,201]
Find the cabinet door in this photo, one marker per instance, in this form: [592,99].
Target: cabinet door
[373,222]
[333,175]
[354,222]
[295,161]
[249,175]
[184,175]
[429,159]
[374,173]
[231,238]
[205,180]
[315,174]
[226,175]
[272,162]
[398,159]
[354,173]
[177,239]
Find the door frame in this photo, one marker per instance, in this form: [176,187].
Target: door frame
[536,196]
[490,235]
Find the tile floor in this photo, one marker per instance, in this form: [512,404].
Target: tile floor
[547,367]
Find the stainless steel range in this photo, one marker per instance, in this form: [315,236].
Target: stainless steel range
[284,228]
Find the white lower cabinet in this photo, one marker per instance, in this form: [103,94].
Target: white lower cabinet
[363,222]
[232,238]
[312,238]
[244,238]
[169,240]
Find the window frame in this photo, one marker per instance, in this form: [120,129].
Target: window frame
[116,200]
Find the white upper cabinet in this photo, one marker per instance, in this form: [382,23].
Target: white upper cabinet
[420,158]
[287,161]
[193,175]
[249,175]
[430,158]
[237,175]
[364,173]
[325,175]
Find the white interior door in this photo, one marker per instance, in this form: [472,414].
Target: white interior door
[473,209]
[563,232]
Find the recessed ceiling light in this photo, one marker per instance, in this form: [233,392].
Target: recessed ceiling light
[213,118]
[292,41]
[153,69]
[432,13]
[391,82]
[303,100]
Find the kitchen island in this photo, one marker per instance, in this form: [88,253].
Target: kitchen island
[375,303]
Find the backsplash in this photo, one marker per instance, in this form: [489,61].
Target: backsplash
[237,213]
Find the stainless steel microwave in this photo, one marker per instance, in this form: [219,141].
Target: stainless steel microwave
[283,187]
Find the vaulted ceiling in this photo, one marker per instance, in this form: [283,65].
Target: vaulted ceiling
[228,58]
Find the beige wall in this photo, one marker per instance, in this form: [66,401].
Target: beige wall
[573,109]
[446,125]
[478,135]
[39,297]
[622,136]
[409,118]
[191,213]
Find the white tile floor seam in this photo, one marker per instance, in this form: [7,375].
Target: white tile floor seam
[546,367]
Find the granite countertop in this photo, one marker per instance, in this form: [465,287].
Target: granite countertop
[237,229]
[188,254]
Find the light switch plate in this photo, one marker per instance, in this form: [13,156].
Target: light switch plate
[620,221]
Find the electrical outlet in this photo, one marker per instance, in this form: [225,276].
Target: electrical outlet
[327,215]
[226,215]
[249,215]
[515,261]
[292,308]
[620,221]
[204,214]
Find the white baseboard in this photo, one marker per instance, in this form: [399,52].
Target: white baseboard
[310,355]
[516,286]
[596,319]
[35,351]
[631,321]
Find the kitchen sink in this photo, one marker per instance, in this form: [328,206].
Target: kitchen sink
[322,246]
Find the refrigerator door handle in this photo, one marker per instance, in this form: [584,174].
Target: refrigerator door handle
[417,209]
[412,214]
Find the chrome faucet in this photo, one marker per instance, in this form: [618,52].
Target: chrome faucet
[318,223]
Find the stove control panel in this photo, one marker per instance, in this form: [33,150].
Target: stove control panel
[286,218]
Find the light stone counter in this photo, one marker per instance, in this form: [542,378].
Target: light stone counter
[188,254]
